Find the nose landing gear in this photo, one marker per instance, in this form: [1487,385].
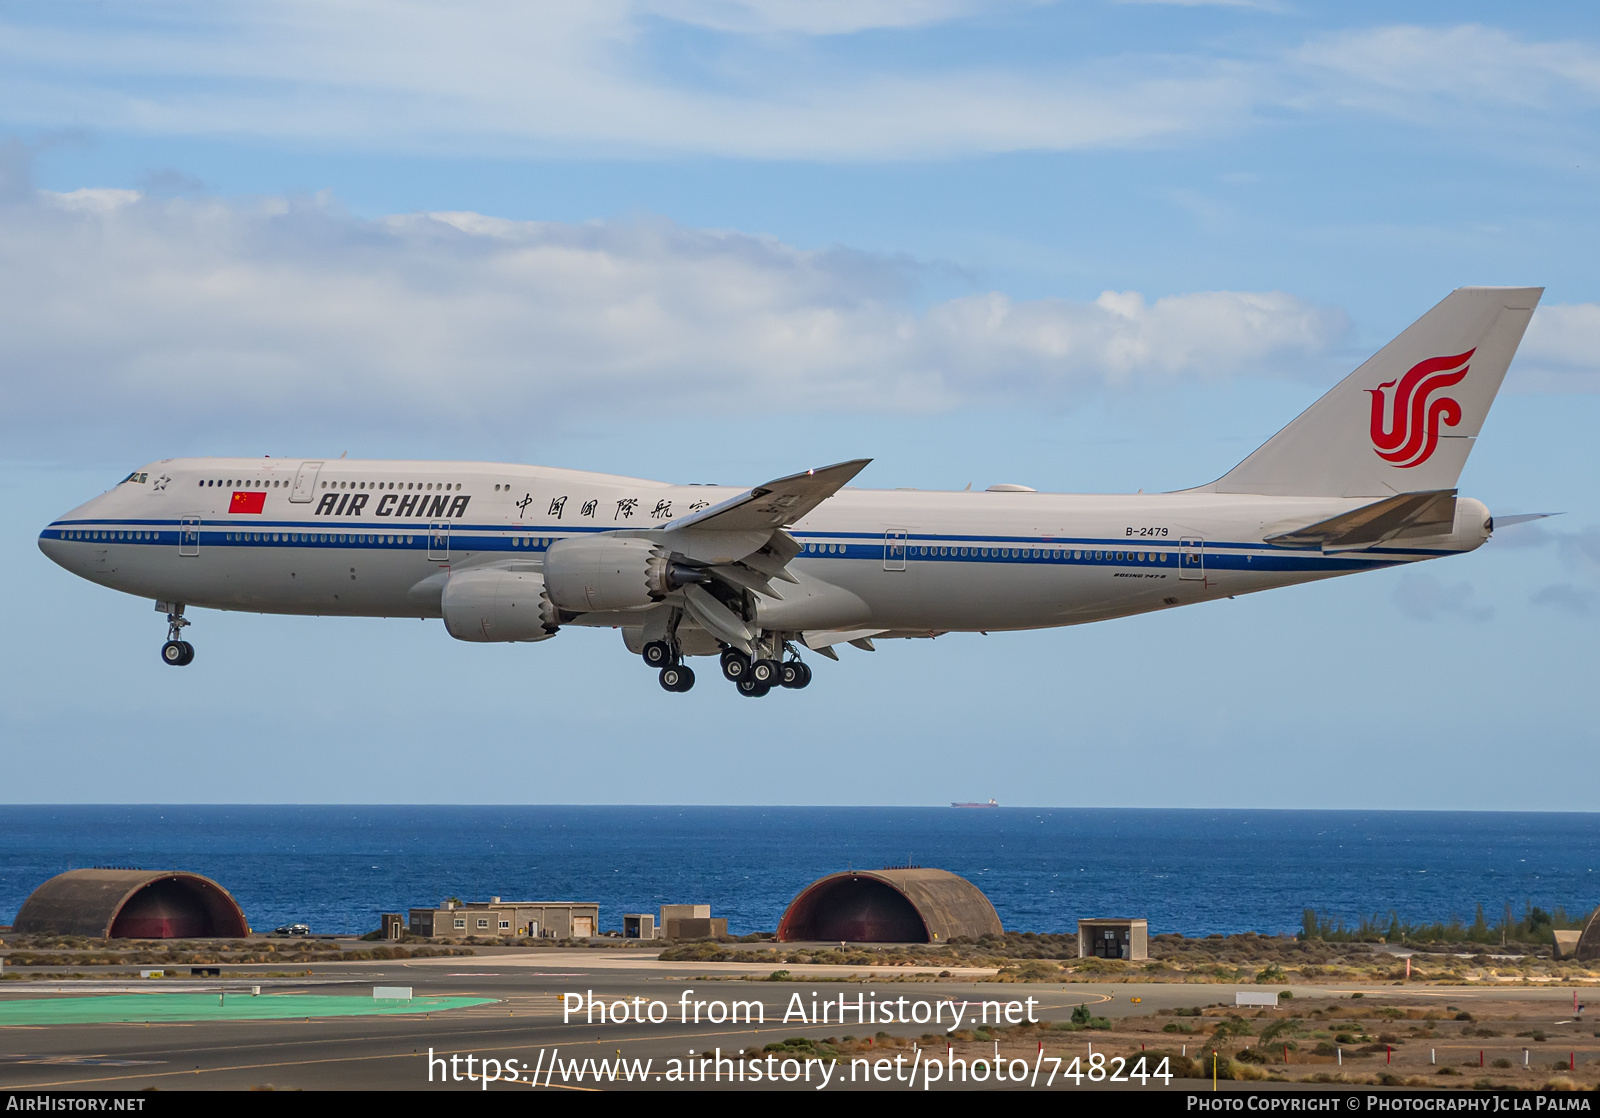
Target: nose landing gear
[176,652]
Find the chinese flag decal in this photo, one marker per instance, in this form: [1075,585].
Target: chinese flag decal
[246,502]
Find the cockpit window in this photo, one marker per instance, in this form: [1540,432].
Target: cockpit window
[137,476]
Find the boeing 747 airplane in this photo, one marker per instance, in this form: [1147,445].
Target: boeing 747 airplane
[1364,479]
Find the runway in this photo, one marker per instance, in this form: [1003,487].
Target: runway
[520,1018]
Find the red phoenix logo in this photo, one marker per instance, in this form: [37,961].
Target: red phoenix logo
[1415,413]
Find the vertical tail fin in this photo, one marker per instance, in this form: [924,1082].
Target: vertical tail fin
[1405,420]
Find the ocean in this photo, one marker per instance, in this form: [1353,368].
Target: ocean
[1191,871]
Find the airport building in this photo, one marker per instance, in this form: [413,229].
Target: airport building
[677,921]
[131,904]
[897,904]
[1587,947]
[517,919]
[691,921]
[1113,938]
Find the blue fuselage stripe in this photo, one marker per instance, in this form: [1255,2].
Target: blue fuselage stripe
[518,539]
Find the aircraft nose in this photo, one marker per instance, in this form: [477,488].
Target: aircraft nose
[54,543]
[64,542]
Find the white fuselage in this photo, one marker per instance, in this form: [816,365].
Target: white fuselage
[381,538]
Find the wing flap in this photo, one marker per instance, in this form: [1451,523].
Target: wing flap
[716,618]
[737,574]
[819,640]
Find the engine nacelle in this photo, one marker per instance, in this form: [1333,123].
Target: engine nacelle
[498,606]
[593,574]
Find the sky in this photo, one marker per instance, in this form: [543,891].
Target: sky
[1086,246]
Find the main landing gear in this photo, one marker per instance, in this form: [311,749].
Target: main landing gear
[775,664]
[175,652]
[675,674]
[677,677]
[756,677]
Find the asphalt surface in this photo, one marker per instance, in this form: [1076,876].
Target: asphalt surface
[525,1023]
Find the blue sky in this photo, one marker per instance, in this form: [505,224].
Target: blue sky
[1086,246]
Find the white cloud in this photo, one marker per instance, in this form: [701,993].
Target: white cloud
[817,17]
[765,79]
[1561,350]
[1422,597]
[1258,5]
[1563,597]
[1580,551]
[1418,71]
[581,76]
[119,309]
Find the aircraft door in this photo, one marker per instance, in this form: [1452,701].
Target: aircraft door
[189,536]
[305,483]
[439,539]
[894,550]
[1191,559]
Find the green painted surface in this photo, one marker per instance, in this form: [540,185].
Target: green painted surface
[210,1007]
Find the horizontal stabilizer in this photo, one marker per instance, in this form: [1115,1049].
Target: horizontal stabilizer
[774,504]
[1519,518]
[1431,513]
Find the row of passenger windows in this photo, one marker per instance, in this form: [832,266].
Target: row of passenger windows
[315,537]
[1009,553]
[1044,553]
[247,483]
[543,541]
[428,485]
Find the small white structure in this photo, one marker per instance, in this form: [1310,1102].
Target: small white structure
[391,993]
[1256,997]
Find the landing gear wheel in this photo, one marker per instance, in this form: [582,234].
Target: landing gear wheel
[749,686]
[766,671]
[735,665]
[675,677]
[658,654]
[795,674]
[175,652]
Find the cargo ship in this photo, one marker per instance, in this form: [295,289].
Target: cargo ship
[991,803]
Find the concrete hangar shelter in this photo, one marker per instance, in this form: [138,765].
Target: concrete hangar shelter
[903,904]
[131,904]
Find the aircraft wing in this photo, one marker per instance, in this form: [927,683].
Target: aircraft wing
[1429,512]
[741,542]
[773,505]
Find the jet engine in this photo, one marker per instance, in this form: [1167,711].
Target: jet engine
[498,606]
[593,574]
